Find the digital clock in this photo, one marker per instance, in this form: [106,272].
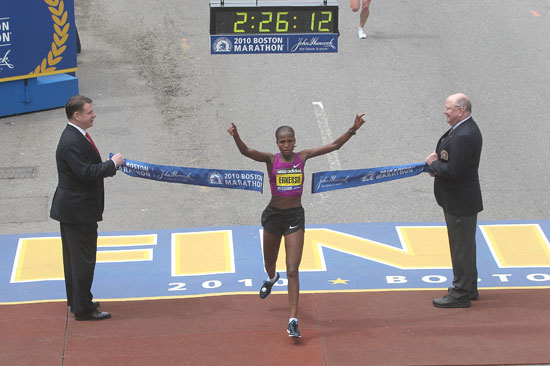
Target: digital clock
[320,19]
[273,26]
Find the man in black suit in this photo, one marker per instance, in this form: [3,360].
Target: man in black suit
[454,164]
[78,205]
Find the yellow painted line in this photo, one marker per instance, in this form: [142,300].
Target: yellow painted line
[423,247]
[126,240]
[41,258]
[255,293]
[26,76]
[38,259]
[517,246]
[202,253]
[132,255]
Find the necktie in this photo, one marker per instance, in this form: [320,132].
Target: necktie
[92,142]
[449,135]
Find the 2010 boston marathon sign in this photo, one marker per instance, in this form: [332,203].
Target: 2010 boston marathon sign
[249,180]
[296,27]
[37,38]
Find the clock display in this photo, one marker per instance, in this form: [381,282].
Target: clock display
[273,20]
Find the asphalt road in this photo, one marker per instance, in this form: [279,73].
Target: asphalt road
[160,97]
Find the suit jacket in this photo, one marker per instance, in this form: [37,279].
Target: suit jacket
[456,185]
[79,197]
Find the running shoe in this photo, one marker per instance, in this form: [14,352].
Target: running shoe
[267,285]
[293,330]
[362,34]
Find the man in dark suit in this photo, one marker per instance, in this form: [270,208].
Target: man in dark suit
[78,205]
[454,164]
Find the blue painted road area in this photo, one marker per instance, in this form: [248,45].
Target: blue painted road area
[196,262]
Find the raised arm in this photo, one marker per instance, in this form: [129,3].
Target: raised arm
[336,144]
[245,150]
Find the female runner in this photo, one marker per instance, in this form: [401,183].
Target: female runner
[364,5]
[284,216]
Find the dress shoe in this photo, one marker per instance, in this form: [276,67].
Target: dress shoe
[94,315]
[448,302]
[474,295]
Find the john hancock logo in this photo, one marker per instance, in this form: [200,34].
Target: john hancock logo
[314,43]
[5,61]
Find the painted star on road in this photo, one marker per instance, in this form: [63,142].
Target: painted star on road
[339,281]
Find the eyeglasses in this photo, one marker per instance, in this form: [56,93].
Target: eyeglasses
[450,109]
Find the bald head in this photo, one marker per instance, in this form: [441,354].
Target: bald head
[461,100]
[457,108]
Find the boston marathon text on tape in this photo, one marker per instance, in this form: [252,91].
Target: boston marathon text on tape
[341,179]
[219,178]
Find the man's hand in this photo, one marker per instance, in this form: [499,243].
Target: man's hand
[118,159]
[431,158]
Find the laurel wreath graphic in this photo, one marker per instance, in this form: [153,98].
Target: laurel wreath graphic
[60,36]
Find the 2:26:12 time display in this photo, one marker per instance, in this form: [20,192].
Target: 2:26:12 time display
[278,21]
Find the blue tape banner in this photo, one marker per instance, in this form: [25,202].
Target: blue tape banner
[37,38]
[340,179]
[234,179]
[274,43]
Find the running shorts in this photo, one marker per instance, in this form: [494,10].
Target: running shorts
[283,221]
